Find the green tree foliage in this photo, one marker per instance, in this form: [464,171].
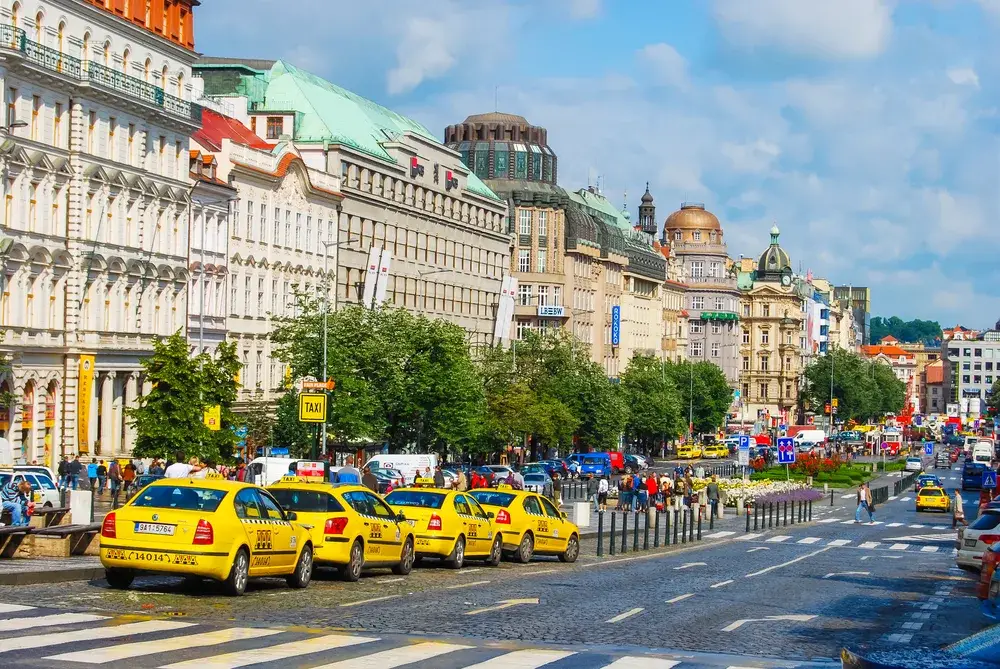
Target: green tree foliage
[297,437]
[711,392]
[993,400]
[259,421]
[653,402]
[171,417]
[865,390]
[909,332]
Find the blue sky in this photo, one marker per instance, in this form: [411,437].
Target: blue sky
[866,129]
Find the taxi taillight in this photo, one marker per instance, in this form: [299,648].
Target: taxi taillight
[503,517]
[108,526]
[204,534]
[434,523]
[989,539]
[335,525]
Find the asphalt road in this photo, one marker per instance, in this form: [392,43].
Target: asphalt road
[792,596]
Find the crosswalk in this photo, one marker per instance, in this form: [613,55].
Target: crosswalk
[938,527]
[40,637]
[917,543]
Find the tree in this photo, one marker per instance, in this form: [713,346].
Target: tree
[654,407]
[289,432]
[993,399]
[905,331]
[171,417]
[864,389]
[260,424]
[711,397]
[8,400]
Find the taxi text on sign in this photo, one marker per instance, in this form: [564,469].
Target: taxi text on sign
[312,408]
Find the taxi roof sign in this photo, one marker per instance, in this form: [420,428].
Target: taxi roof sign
[505,486]
[424,482]
[291,478]
[214,475]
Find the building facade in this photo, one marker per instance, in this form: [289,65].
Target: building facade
[859,300]
[695,236]
[903,364]
[924,355]
[971,367]
[96,199]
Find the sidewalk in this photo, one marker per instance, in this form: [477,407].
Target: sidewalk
[50,570]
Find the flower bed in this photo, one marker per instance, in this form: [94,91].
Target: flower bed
[760,490]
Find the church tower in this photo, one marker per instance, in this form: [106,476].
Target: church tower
[647,214]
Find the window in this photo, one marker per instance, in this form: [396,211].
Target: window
[543,296]
[697,302]
[288,228]
[966,366]
[523,326]
[57,124]
[541,260]
[696,327]
[746,336]
[765,310]
[763,391]
[716,327]
[298,231]
[746,311]
[765,337]
[543,224]
[977,379]
[715,349]
[696,349]
[275,127]
[131,143]
[965,378]
[36,107]
[978,353]
[91,125]
[765,363]
[720,304]
[977,366]
[523,222]
[524,294]
[696,235]
[12,106]
[557,296]
[112,122]
[697,269]
[788,390]
[677,235]
[966,352]
[524,260]
[989,367]
[746,363]
[746,390]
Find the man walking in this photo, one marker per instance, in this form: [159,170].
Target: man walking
[556,489]
[713,496]
[592,486]
[102,477]
[75,470]
[92,475]
[63,473]
[864,498]
[349,473]
[369,480]
[438,477]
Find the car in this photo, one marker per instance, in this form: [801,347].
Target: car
[598,464]
[973,540]
[212,528]
[556,467]
[942,460]
[540,483]
[715,451]
[972,475]
[141,482]
[927,480]
[988,587]
[634,464]
[530,524]
[689,452]
[44,491]
[351,527]
[449,525]
[914,465]
[933,497]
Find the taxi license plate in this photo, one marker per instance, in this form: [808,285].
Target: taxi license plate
[971,543]
[155,528]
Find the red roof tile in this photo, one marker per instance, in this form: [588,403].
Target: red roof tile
[215,127]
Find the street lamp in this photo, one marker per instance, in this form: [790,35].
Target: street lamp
[421,275]
[326,294]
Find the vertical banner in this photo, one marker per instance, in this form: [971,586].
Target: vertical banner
[84,397]
[508,320]
[371,276]
[383,277]
[498,326]
[616,325]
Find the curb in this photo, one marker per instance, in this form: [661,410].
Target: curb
[54,576]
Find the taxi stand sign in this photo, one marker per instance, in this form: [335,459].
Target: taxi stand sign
[744,450]
[312,408]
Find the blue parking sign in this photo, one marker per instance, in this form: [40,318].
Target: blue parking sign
[928,449]
[786,451]
[989,479]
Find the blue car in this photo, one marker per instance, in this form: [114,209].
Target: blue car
[972,475]
[598,464]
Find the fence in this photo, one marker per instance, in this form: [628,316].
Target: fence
[768,515]
[685,523]
[904,483]
[881,495]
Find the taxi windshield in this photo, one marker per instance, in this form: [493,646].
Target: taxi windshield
[428,500]
[493,498]
[183,498]
[305,501]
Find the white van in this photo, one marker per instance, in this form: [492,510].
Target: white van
[982,451]
[806,440]
[408,464]
[265,471]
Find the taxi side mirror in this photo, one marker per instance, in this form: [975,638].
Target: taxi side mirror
[564,516]
[400,517]
[291,515]
[490,514]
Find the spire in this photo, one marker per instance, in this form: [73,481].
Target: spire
[647,197]
[774,235]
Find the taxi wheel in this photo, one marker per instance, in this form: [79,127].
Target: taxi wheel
[526,550]
[119,579]
[406,559]
[572,550]
[352,570]
[496,553]
[303,569]
[236,584]
[457,557]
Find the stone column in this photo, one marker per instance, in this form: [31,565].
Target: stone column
[106,413]
[117,411]
[131,401]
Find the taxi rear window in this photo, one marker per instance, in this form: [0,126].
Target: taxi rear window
[306,501]
[184,498]
[934,492]
[493,498]
[428,500]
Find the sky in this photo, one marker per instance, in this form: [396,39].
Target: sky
[865,129]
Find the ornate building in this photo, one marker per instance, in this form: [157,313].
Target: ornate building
[696,237]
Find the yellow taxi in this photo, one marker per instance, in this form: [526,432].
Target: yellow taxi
[449,524]
[689,452]
[529,523]
[932,497]
[715,451]
[209,527]
[352,528]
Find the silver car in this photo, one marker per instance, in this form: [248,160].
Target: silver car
[539,483]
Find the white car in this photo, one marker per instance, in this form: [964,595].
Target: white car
[44,491]
[976,538]
[914,465]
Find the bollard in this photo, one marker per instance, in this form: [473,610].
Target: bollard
[699,527]
[831,496]
[600,535]
[756,512]
[624,532]
[792,521]
[62,497]
[691,530]
[677,524]
[684,526]
[656,529]
[635,532]
[747,514]
[799,512]
[711,515]
[611,544]
[785,518]
[810,511]
[645,536]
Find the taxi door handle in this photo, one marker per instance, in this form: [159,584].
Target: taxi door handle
[366,524]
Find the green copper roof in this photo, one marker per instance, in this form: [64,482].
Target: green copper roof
[602,206]
[744,280]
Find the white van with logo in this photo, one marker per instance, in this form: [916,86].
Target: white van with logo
[408,464]
[806,440]
[982,451]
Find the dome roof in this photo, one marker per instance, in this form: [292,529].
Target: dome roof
[647,197]
[692,216]
[773,262]
[496,117]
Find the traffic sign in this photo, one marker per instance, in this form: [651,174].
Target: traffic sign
[213,417]
[786,451]
[929,449]
[312,408]
[989,479]
[744,450]
[836,402]
[241,431]
[329,384]
[279,451]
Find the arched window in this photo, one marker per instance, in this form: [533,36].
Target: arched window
[39,30]
[107,54]
[85,55]
[180,84]
[126,59]
[146,69]
[60,37]
[163,78]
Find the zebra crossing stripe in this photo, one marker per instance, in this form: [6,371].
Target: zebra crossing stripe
[894,525]
[839,542]
[718,535]
[142,648]
[282,651]
[830,520]
[523,659]
[869,545]
[397,657]
[778,539]
[899,547]
[809,540]
[13,624]
[129,629]
[929,549]
[14,608]
[630,662]
[848,522]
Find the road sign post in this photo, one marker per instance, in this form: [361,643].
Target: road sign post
[929,449]
[786,453]
[989,480]
[744,450]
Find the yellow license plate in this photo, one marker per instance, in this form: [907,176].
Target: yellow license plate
[150,557]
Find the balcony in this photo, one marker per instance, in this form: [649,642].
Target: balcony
[713,281]
[694,248]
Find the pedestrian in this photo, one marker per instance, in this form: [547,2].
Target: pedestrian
[207,469]
[592,486]
[102,477]
[602,494]
[518,479]
[369,480]
[63,473]
[462,482]
[438,477]
[75,472]
[556,489]
[15,495]
[958,511]
[642,494]
[713,496]
[156,469]
[92,475]
[864,499]
[180,469]
[652,490]
[349,473]
[128,477]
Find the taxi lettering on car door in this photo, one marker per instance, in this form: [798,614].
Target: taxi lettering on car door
[539,523]
[475,532]
[382,536]
[267,532]
[557,529]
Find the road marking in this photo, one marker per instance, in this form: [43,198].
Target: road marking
[282,651]
[688,565]
[917,527]
[877,522]
[523,659]
[885,557]
[123,651]
[912,626]
[14,608]
[894,525]
[505,604]
[759,548]
[719,585]
[809,540]
[630,662]
[849,495]
[718,535]
[869,545]
[628,614]
[129,629]
[397,657]
[899,638]
[540,571]
[732,627]
[679,598]
[892,498]
[899,547]
[849,573]
[470,571]
[929,607]
[368,601]
[466,585]
[848,522]
[905,499]
[390,580]
[829,520]
[839,542]
[749,537]
[46,621]
[790,562]
[929,549]
[778,539]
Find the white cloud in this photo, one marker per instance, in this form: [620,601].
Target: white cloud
[834,30]
[667,66]
[753,157]
[426,51]
[964,76]
[584,9]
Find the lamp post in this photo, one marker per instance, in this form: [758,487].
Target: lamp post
[326,294]
[421,275]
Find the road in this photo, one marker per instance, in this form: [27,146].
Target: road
[784,598]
